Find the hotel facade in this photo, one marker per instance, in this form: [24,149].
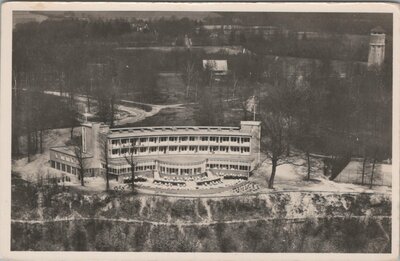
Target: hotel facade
[182,153]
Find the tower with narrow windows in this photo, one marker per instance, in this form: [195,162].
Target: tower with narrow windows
[90,139]
[376,54]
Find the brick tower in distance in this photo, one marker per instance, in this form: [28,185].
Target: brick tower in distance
[376,54]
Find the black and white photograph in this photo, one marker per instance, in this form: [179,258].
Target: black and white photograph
[201,131]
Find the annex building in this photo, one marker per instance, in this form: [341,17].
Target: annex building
[175,154]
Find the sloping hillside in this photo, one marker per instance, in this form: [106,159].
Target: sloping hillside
[284,221]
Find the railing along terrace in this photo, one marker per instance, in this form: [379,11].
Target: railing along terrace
[183,177]
[181,164]
[219,160]
[224,172]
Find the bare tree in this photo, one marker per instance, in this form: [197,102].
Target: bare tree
[276,115]
[88,92]
[305,142]
[372,173]
[364,165]
[74,119]
[235,84]
[376,153]
[365,141]
[114,87]
[245,92]
[307,127]
[131,161]
[106,92]
[207,103]
[290,100]
[103,143]
[374,104]
[275,130]
[189,75]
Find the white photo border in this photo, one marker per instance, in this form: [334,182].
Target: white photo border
[5,123]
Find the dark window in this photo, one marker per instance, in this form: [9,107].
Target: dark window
[203,148]
[245,139]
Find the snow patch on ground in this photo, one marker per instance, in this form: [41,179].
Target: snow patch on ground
[40,162]
[291,176]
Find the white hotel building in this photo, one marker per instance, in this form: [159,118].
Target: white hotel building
[176,152]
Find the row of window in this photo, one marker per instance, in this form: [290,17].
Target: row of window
[136,141]
[69,169]
[64,167]
[176,171]
[128,169]
[193,149]
[66,158]
[228,166]
[179,171]
[168,170]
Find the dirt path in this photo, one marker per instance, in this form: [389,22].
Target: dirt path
[131,115]
[206,223]
[141,114]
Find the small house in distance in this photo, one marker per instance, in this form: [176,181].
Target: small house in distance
[218,67]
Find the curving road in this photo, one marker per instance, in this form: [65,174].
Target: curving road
[130,115]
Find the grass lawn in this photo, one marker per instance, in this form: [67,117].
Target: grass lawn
[170,90]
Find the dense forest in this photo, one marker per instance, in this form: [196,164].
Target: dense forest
[361,23]
[313,109]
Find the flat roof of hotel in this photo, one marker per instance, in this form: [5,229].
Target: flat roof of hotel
[69,150]
[176,131]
